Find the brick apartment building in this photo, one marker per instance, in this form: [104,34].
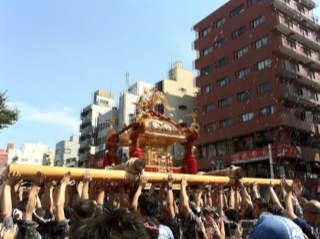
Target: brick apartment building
[258,69]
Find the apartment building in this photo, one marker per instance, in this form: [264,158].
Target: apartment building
[115,119]
[180,90]
[67,152]
[103,102]
[258,70]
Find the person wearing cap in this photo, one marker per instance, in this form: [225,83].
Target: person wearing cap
[272,226]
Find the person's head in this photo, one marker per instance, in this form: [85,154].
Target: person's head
[232,215]
[311,212]
[271,226]
[84,209]
[210,213]
[42,216]
[116,224]
[259,206]
[152,225]
[148,204]
[164,212]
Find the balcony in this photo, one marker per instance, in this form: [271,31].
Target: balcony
[299,52]
[305,98]
[309,4]
[87,132]
[85,143]
[289,119]
[293,29]
[297,12]
[300,74]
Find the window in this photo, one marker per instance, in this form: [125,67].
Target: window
[67,151]
[304,31]
[316,118]
[268,110]
[301,115]
[244,95]
[261,42]
[311,74]
[223,81]
[206,51]
[240,53]
[205,70]
[224,102]
[291,43]
[257,22]
[221,62]
[220,43]
[253,2]
[207,88]
[246,117]
[314,95]
[307,51]
[264,87]
[290,66]
[242,73]
[300,91]
[220,22]
[205,32]
[238,10]
[225,123]
[288,22]
[239,32]
[182,107]
[209,127]
[264,64]
[208,108]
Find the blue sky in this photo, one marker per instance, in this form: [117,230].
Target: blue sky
[55,54]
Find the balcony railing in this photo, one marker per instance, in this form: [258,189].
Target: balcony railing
[293,29]
[297,12]
[299,52]
[300,74]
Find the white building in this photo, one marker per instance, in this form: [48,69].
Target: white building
[103,102]
[180,90]
[119,116]
[30,153]
[67,152]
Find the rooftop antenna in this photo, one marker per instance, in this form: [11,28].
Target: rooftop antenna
[127,79]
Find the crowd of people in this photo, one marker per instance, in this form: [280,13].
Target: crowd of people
[95,209]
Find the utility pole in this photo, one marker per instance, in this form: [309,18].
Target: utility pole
[270,161]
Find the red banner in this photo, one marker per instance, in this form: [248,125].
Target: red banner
[282,150]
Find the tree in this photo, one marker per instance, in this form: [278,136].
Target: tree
[7,116]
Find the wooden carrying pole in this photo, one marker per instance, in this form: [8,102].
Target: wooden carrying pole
[56,173]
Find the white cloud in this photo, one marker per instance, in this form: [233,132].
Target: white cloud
[54,116]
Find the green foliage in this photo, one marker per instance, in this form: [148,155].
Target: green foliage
[7,116]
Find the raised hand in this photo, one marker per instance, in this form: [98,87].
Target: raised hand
[38,179]
[87,176]
[66,178]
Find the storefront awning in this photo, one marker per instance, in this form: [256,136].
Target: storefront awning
[250,156]
[282,150]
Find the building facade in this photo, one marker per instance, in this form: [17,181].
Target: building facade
[66,154]
[258,71]
[115,119]
[103,102]
[180,90]
[30,153]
